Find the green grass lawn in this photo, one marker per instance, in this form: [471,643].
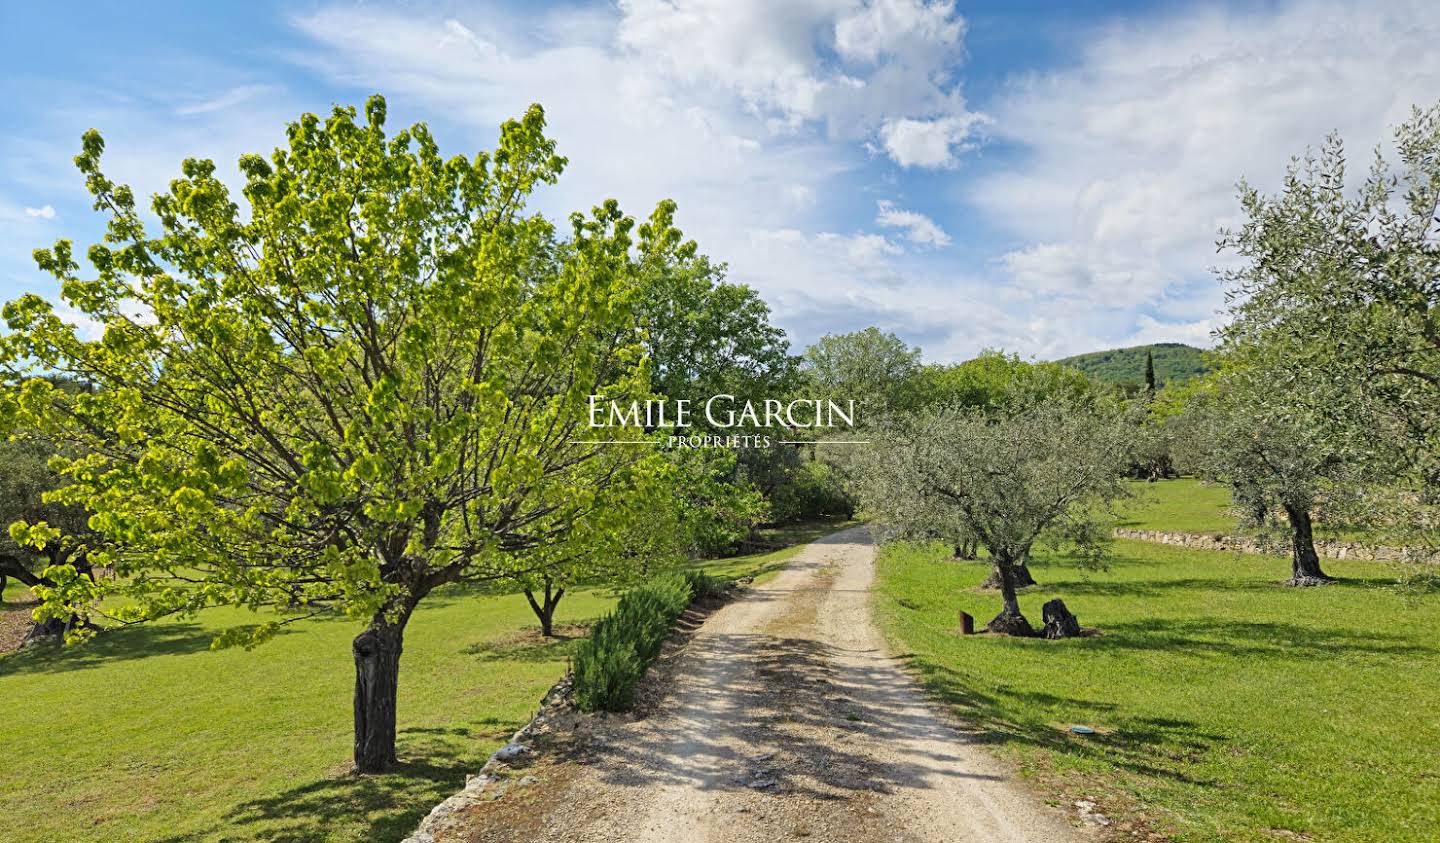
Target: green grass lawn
[145,734]
[1186,505]
[1227,708]
[1182,505]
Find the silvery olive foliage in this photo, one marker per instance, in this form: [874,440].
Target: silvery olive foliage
[1335,317]
[1029,472]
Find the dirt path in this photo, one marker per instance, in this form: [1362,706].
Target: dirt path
[785,720]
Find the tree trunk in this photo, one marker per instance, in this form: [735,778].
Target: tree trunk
[377,680]
[1305,562]
[1021,573]
[53,630]
[1009,621]
[966,549]
[544,608]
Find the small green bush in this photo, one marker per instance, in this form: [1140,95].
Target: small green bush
[626,641]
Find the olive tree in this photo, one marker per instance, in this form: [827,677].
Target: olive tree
[1337,302]
[1273,461]
[1026,473]
[366,385]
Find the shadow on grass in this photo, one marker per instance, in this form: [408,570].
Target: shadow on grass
[530,646]
[382,809]
[113,645]
[1140,745]
[1226,638]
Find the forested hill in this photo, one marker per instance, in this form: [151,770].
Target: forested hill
[1173,362]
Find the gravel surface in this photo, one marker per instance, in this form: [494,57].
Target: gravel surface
[781,718]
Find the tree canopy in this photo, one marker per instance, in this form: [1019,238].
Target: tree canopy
[1027,473]
[366,385]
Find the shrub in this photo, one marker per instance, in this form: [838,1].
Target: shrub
[810,490]
[626,641]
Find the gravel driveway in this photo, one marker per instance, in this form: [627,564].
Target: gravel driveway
[782,718]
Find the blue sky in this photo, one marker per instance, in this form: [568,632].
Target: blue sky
[1046,178]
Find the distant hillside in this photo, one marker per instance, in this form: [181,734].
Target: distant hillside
[1173,362]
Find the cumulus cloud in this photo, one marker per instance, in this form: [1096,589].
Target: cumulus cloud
[752,115]
[1133,150]
[928,143]
[917,227]
[44,212]
[851,66]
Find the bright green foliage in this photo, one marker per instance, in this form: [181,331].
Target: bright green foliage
[627,640]
[25,479]
[370,385]
[991,380]
[870,367]
[1173,363]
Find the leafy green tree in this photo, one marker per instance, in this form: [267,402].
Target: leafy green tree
[1272,460]
[25,479]
[1338,302]
[870,367]
[1149,372]
[993,379]
[1029,472]
[369,385]
[707,336]
[701,509]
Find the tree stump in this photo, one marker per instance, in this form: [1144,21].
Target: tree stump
[1059,622]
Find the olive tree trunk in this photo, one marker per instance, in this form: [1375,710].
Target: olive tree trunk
[1009,621]
[1305,562]
[377,682]
[544,608]
[1021,573]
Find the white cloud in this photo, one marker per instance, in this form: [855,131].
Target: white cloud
[850,65]
[1152,330]
[44,212]
[917,227]
[928,143]
[1133,150]
[226,99]
[739,111]
[897,27]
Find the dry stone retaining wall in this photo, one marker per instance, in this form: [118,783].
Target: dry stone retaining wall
[1327,548]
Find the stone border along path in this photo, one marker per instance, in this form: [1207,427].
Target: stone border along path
[783,717]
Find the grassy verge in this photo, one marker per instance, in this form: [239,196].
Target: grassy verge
[1227,708]
[147,735]
[788,540]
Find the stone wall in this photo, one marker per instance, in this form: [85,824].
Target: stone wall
[1327,548]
